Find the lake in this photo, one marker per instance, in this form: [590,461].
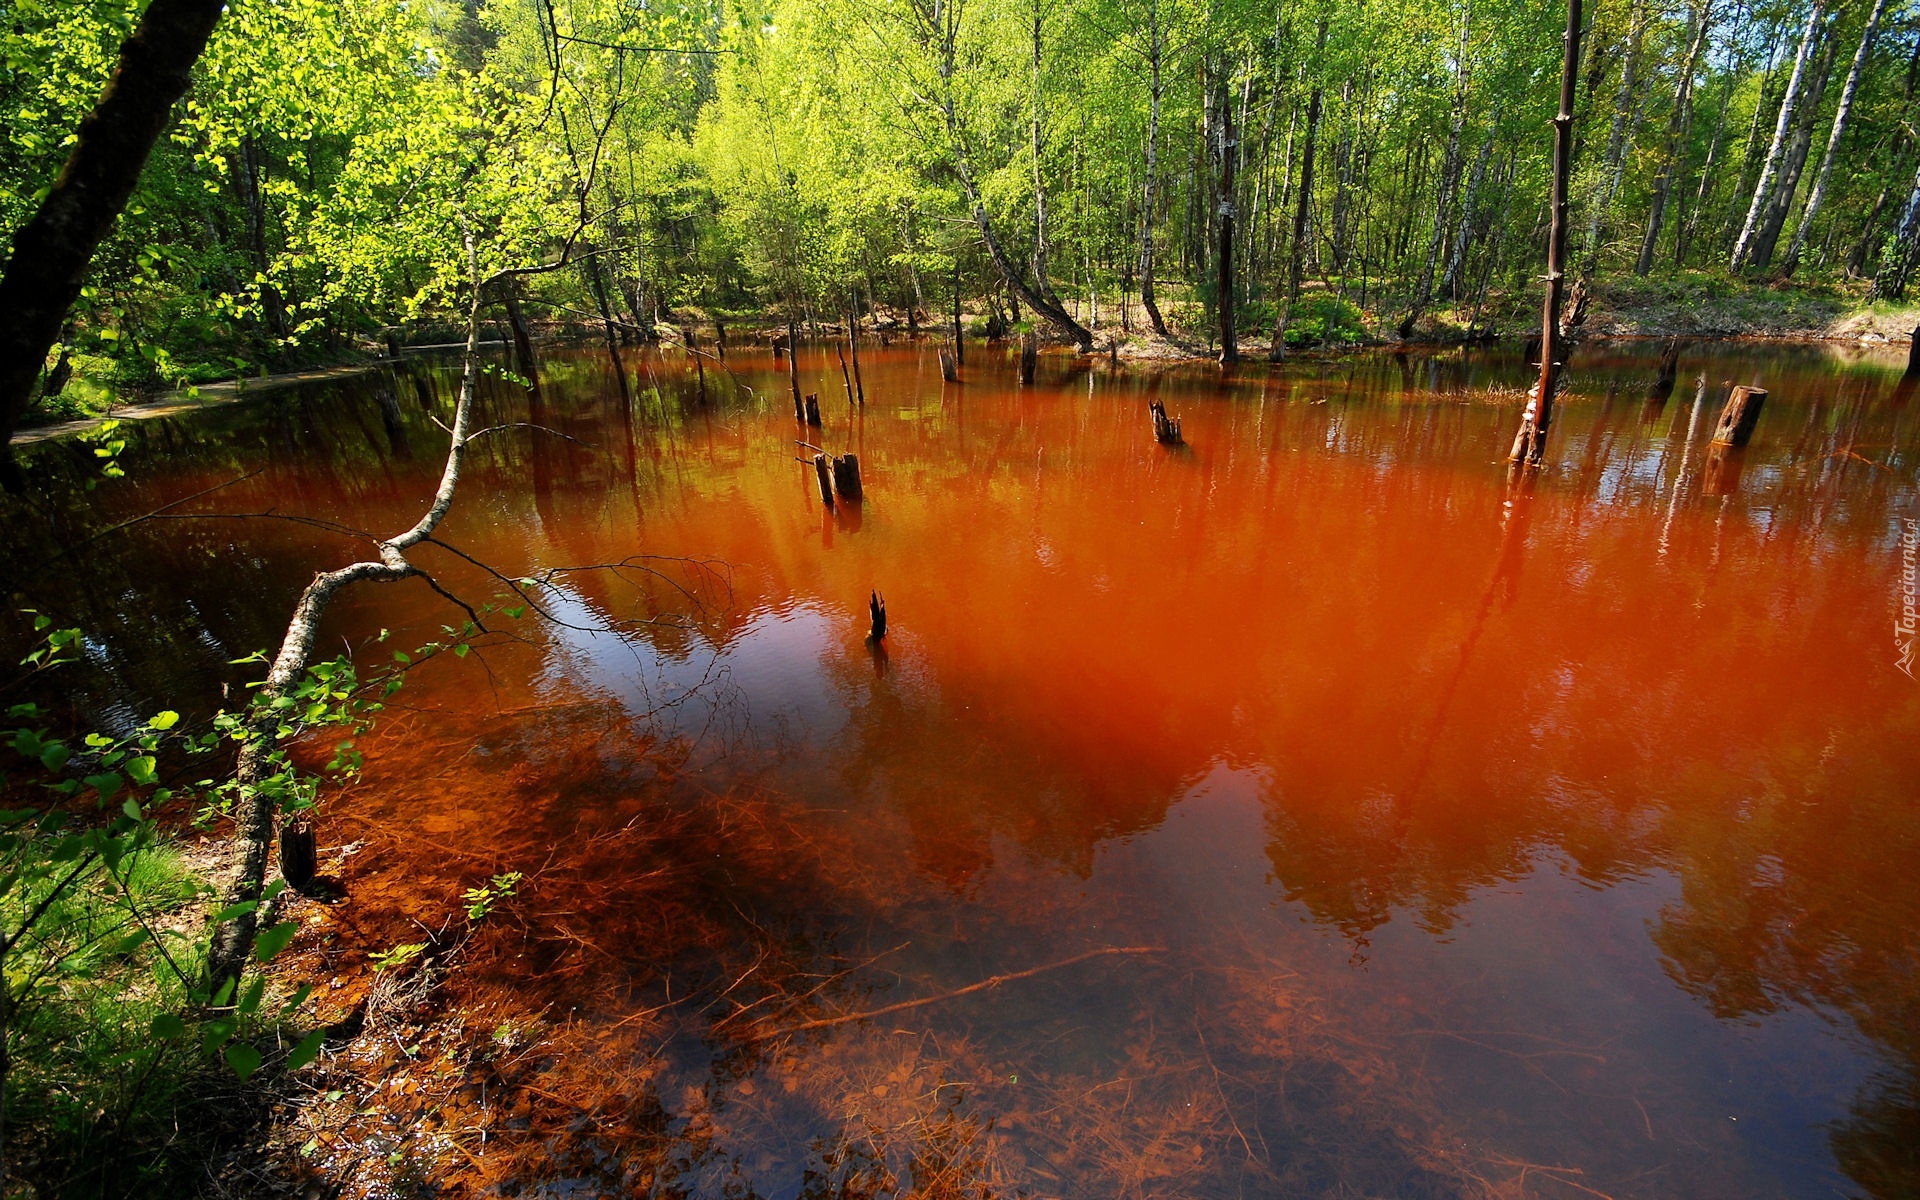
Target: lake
[1306,810]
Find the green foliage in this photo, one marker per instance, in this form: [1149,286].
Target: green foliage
[107,1013]
[796,154]
[480,900]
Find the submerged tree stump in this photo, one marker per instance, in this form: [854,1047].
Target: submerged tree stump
[949,370]
[299,855]
[846,477]
[825,478]
[1662,386]
[877,610]
[812,415]
[1739,417]
[853,348]
[844,377]
[1721,476]
[1913,355]
[1029,358]
[1166,430]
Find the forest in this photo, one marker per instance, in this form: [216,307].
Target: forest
[1296,174]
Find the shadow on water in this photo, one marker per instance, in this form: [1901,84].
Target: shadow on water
[1333,816]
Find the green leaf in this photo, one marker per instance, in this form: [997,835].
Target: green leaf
[54,756]
[141,769]
[307,1050]
[106,783]
[232,911]
[164,720]
[460,651]
[274,940]
[167,1025]
[244,1060]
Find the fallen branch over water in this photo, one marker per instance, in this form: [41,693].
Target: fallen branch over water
[983,985]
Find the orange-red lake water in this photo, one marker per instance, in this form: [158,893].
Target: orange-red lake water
[1349,820]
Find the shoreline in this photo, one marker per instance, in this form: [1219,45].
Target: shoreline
[1134,349]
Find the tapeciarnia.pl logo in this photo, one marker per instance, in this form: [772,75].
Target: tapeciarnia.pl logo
[1906,630]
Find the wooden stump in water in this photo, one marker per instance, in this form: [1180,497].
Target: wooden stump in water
[846,477]
[1739,417]
[1166,430]
[1531,352]
[299,855]
[949,371]
[1722,474]
[1913,355]
[720,335]
[393,343]
[813,410]
[1029,357]
[825,477]
[1113,353]
[877,610]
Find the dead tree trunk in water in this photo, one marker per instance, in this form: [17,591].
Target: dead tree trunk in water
[1530,444]
[522,342]
[853,347]
[959,355]
[51,250]
[793,372]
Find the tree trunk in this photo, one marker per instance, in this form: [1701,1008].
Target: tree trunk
[1678,124]
[1794,162]
[1042,284]
[1819,193]
[1857,261]
[52,249]
[522,342]
[1619,135]
[1463,226]
[1763,191]
[233,940]
[947,35]
[1301,210]
[606,321]
[1449,183]
[248,177]
[1896,263]
[1227,155]
[1530,444]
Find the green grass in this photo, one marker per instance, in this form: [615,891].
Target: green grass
[92,1096]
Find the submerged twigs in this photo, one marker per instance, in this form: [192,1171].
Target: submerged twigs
[477,434]
[983,985]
